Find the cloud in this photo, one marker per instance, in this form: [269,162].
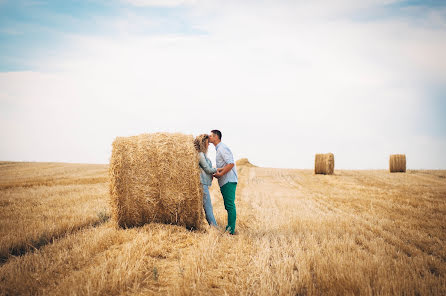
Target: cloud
[160,3]
[280,79]
[10,31]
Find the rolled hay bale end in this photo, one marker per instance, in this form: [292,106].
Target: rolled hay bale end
[397,163]
[155,178]
[324,164]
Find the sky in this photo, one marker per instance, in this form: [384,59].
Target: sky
[282,80]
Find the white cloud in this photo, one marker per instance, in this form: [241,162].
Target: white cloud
[166,3]
[280,84]
[10,31]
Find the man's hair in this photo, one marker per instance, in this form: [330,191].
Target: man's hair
[217,132]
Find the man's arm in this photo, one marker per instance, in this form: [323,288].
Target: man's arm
[221,172]
[229,159]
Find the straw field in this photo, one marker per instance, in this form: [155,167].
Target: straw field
[354,232]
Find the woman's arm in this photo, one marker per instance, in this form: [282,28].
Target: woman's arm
[205,166]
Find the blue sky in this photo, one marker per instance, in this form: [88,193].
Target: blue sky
[351,77]
[30,29]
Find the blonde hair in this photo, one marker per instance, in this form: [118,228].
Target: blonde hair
[199,143]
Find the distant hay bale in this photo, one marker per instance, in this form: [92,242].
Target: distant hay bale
[245,162]
[155,178]
[324,164]
[397,163]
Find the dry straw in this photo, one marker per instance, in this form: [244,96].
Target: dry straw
[324,164]
[155,178]
[245,162]
[397,163]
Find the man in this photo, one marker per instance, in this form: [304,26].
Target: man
[227,177]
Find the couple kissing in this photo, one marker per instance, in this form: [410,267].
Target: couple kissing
[225,172]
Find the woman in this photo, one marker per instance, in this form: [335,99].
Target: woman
[201,143]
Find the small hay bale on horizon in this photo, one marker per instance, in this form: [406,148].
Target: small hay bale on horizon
[245,162]
[324,164]
[155,178]
[397,163]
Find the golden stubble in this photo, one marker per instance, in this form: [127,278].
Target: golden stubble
[43,201]
[354,232]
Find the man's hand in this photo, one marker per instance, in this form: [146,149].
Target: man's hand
[218,174]
[221,171]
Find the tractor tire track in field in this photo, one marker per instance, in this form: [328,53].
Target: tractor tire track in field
[372,227]
[372,224]
[380,226]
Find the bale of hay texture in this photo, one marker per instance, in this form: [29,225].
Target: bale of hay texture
[155,178]
[324,164]
[245,162]
[397,163]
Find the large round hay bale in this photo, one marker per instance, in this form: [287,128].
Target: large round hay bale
[397,163]
[155,178]
[324,164]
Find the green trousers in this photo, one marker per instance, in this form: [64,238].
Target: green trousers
[228,192]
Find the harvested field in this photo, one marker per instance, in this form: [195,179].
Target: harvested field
[354,232]
[43,201]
